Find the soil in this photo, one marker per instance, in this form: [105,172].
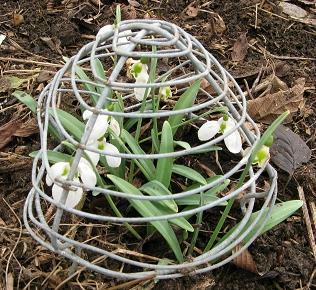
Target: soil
[53,28]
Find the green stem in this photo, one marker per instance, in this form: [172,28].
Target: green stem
[199,218]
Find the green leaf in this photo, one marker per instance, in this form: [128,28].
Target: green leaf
[54,156]
[188,173]
[156,188]
[29,101]
[147,165]
[70,123]
[164,165]
[186,100]
[26,99]
[280,212]
[180,222]
[208,197]
[147,209]
[83,76]
[182,144]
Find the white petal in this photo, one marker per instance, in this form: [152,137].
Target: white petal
[233,142]
[73,197]
[112,160]
[86,114]
[115,126]
[87,174]
[94,157]
[208,130]
[57,170]
[140,92]
[99,129]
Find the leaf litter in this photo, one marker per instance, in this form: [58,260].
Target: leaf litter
[289,150]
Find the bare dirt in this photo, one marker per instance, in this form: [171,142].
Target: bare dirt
[53,28]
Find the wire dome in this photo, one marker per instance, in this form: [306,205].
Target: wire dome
[181,61]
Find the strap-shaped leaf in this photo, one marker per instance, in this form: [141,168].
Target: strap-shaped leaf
[188,173]
[147,166]
[54,156]
[83,76]
[164,165]
[186,100]
[280,212]
[70,123]
[147,209]
[156,188]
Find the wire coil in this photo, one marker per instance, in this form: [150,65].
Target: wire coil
[190,61]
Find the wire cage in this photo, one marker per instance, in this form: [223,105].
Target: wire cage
[181,61]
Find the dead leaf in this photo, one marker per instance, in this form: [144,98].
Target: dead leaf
[289,150]
[10,82]
[292,10]
[7,131]
[134,3]
[27,128]
[245,260]
[278,85]
[17,127]
[216,24]
[268,108]
[191,10]
[17,19]
[240,48]
[129,12]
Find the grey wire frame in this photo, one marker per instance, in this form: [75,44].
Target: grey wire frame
[171,42]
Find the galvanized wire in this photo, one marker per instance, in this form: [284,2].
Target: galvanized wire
[191,62]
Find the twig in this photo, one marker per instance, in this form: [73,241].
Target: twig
[13,59]
[16,243]
[127,285]
[307,220]
[284,57]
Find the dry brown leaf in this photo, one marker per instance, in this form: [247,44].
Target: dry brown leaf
[245,260]
[17,127]
[7,132]
[240,48]
[17,19]
[292,10]
[216,24]
[191,10]
[129,12]
[289,150]
[268,108]
[27,128]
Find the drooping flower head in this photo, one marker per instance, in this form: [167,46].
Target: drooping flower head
[209,129]
[84,173]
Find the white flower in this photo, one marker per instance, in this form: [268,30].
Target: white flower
[107,148]
[142,78]
[61,170]
[100,127]
[97,140]
[165,93]
[210,128]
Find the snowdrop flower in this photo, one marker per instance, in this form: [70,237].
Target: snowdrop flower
[101,144]
[210,128]
[61,170]
[97,140]
[139,71]
[165,93]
